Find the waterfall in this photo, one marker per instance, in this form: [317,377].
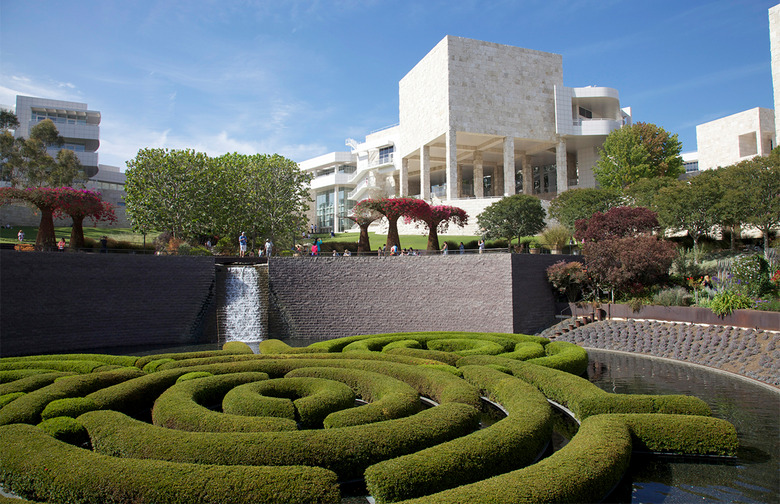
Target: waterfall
[244,309]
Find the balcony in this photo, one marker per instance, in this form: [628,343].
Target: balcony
[330,180]
[595,126]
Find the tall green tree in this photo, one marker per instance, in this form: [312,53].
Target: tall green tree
[760,179]
[513,217]
[575,204]
[690,206]
[641,150]
[170,190]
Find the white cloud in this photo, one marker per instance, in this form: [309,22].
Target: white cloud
[12,85]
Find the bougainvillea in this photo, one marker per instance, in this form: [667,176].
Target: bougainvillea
[363,217]
[79,204]
[436,219]
[392,209]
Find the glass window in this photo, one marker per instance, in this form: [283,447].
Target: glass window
[386,154]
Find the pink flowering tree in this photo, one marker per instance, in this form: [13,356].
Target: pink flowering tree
[393,209]
[436,219]
[45,200]
[80,204]
[364,217]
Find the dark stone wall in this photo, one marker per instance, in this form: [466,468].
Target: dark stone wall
[55,302]
[533,305]
[328,297]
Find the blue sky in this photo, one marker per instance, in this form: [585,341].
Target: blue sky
[299,77]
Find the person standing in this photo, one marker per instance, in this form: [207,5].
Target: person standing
[445,249]
[268,248]
[242,244]
[61,245]
[20,236]
[462,248]
[481,246]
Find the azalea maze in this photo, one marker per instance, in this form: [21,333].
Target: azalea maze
[401,412]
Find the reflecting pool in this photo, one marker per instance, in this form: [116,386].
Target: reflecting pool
[753,409]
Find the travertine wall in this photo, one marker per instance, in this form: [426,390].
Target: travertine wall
[718,141]
[774,45]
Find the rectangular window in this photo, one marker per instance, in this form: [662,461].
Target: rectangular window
[386,154]
[587,114]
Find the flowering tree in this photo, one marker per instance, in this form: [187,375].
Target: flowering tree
[81,204]
[76,203]
[436,218]
[568,278]
[363,217]
[392,209]
[617,222]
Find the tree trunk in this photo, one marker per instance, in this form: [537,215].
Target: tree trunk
[77,233]
[46,239]
[392,233]
[433,239]
[364,245]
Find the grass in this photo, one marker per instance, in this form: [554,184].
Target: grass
[418,242]
[116,233]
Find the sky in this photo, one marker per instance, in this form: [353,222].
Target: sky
[298,77]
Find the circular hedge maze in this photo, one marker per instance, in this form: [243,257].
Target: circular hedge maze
[400,412]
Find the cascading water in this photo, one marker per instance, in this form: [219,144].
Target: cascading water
[243,312]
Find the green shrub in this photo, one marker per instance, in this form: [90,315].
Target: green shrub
[432,355]
[667,433]
[673,296]
[466,346]
[310,400]
[389,398]
[29,380]
[68,407]
[65,429]
[152,366]
[724,303]
[227,350]
[193,376]
[119,360]
[585,470]
[406,343]
[28,408]
[750,275]
[563,356]
[11,396]
[346,451]
[511,443]
[35,465]
[237,347]
[185,406]
[525,351]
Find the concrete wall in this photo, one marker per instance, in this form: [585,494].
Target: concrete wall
[54,302]
[734,138]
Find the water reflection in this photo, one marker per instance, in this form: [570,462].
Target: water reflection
[753,409]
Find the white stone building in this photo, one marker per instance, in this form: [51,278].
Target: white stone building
[735,138]
[477,121]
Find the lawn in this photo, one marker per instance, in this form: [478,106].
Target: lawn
[115,233]
[417,242]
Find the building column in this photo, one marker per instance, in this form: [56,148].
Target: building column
[479,174]
[336,209]
[403,182]
[451,155]
[528,174]
[425,172]
[561,167]
[498,181]
[508,188]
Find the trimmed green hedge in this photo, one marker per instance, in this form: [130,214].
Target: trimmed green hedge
[584,470]
[183,406]
[310,399]
[464,346]
[9,380]
[118,360]
[377,341]
[28,408]
[525,351]
[564,356]
[684,434]
[586,399]
[513,442]
[389,398]
[346,451]
[68,407]
[445,357]
[227,350]
[12,396]
[37,466]
[65,429]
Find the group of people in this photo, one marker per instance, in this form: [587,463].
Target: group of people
[243,241]
[396,251]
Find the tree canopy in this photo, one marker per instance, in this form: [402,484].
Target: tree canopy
[575,204]
[513,217]
[436,219]
[189,194]
[618,222]
[642,150]
[393,209]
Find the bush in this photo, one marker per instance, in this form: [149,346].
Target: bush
[65,429]
[674,296]
[751,275]
[724,303]
[38,466]
[68,407]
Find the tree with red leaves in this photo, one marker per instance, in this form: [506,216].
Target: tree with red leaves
[618,222]
[81,204]
[436,218]
[363,217]
[620,250]
[392,209]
